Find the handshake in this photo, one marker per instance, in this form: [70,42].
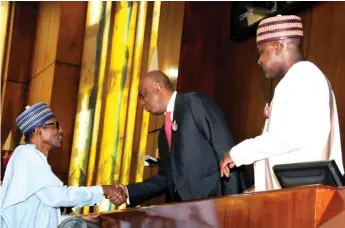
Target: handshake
[117,194]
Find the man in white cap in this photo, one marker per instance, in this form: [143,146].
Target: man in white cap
[31,193]
[302,121]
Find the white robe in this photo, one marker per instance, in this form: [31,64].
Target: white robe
[32,195]
[299,126]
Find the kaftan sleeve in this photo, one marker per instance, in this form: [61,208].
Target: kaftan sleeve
[303,119]
[70,196]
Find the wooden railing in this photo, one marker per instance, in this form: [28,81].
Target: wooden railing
[311,206]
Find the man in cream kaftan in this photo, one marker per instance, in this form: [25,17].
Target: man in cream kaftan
[302,112]
[298,127]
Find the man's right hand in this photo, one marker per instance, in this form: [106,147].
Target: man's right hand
[117,194]
[226,163]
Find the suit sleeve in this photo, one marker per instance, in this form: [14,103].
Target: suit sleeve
[211,123]
[143,191]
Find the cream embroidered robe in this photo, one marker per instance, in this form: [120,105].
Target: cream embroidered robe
[299,126]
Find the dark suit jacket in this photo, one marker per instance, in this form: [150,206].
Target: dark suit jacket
[191,169]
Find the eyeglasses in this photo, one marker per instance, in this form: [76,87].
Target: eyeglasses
[52,124]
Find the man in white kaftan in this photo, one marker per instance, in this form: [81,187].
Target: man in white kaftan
[303,121]
[31,193]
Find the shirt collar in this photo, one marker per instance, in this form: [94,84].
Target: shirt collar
[171,104]
[43,156]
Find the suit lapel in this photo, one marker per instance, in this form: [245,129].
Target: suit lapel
[163,140]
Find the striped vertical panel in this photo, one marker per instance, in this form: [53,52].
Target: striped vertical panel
[152,61]
[4,12]
[125,85]
[6,27]
[87,94]
[117,96]
[105,124]
[133,97]
[96,133]
[86,104]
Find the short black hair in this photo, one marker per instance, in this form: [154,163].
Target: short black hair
[28,137]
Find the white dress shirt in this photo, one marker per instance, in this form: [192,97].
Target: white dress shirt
[171,105]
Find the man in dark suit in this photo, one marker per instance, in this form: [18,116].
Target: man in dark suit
[191,143]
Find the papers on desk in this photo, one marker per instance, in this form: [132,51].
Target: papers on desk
[148,160]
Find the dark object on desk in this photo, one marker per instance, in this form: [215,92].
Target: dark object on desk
[308,173]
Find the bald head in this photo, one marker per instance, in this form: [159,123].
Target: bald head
[157,76]
[155,91]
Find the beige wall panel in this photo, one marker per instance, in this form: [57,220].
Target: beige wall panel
[40,87]
[63,104]
[14,103]
[46,37]
[169,37]
[71,32]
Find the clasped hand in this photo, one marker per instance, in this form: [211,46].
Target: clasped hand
[117,194]
[226,163]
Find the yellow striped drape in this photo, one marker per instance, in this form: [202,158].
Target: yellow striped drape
[133,95]
[116,102]
[108,94]
[5,8]
[152,65]
[90,91]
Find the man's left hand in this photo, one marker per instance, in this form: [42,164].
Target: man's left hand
[226,163]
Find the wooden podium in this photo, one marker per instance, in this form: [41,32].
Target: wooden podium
[311,206]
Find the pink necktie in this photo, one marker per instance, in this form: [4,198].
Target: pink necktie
[167,127]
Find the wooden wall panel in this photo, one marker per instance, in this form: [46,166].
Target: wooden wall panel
[45,48]
[71,50]
[63,104]
[169,39]
[20,46]
[242,89]
[13,106]
[41,86]
[203,29]
[17,68]
[326,50]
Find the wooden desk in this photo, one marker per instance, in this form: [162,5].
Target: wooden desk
[313,206]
